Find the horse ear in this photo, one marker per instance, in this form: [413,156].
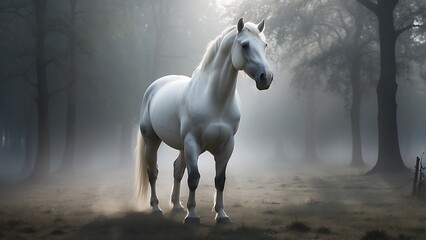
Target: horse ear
[261,25]
[240,25]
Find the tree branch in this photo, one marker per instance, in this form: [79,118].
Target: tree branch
[11,77]
[364,44]
[19,10]
[20,74]
[53,60]
[67,85]
[413,25]
[370,5]
[58,65]
[29,81]
[59,90]
[333,29]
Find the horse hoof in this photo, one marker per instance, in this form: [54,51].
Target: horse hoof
[157,212]
[177,210]
[192,220]
[223,220]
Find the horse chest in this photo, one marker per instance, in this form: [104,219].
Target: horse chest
[211,128]
[206,117]
[216,134]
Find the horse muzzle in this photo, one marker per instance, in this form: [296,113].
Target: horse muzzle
[264,81]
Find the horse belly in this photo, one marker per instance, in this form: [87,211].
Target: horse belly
[165,115]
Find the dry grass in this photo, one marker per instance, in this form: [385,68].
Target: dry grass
[332,204]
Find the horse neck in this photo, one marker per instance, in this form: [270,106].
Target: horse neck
[222,83]
[221,76]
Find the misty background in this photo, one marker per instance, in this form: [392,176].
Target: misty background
[84,66]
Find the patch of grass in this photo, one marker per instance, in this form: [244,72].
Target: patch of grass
[270,202]
[269,212]
[276,222]
[144,226]
[244,232]
[59,220]
[376,235]
[417,230]
[298,227]
[323,230]
[404,237]
[58,232]
[28,230]
[13,223]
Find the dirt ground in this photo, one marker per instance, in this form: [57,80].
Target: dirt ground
[336,203]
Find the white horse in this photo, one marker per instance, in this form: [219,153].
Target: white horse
[199,114]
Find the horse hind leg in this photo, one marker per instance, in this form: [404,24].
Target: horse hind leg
[152,143]
[179,169]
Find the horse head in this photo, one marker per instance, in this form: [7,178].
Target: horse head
[249,55]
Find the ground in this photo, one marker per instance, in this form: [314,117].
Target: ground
[281,202]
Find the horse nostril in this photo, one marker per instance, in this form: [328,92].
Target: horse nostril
[263,77]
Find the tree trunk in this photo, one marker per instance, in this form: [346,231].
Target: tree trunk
[355,58]
[41,167]
[357,160]
[28,148]
[405,122]
[355,71]
[70,131]
[310,141]
[389,157]
[69,152]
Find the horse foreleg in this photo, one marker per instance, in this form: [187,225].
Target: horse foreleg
[179,169]
[191,153]
[222,158]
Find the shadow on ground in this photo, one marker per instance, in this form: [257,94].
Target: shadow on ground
[145,226]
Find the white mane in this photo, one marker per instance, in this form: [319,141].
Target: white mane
[212,49]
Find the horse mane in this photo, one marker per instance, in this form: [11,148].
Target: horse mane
[212,49]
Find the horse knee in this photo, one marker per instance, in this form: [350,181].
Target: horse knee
[193,180]
[178,177]
[152,175]
[178,170]
[219,181]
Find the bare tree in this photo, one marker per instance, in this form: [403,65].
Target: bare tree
[41,167]
[70,131]
[41,24]
[389,157]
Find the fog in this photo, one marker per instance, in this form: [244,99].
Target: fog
[122,48]
[324,145]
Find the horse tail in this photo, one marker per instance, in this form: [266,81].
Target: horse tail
[141,175]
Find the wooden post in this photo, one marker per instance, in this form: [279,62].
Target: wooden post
[421,176]
[416,174]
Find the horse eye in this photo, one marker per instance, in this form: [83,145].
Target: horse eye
[245,45]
